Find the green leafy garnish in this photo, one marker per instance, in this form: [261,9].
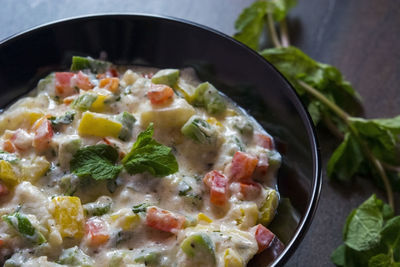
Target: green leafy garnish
[67,118]
[251,22]
[24,227]
[297,66]
[142,207]
[96,161]
[149,155]
[371,237]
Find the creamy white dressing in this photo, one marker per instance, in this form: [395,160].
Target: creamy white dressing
[229,227]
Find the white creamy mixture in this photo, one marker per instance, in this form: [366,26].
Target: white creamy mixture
[77,189]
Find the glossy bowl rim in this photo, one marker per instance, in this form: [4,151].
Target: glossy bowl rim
[306,221]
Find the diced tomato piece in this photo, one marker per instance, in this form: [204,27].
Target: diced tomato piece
[250,190]
[96,231]
[43,134]
[164,220]
[21,140]
[243,166]
[262,167]
[63,84]
[263,237]
[111,72]
[9,146]
[3,191]
[83,82]
[111,84]
[217,182]
[160,94]
[263,140]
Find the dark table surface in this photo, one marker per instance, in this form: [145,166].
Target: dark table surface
[360,37]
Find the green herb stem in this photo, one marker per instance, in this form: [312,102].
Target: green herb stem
[340,112]
[345,117]
[285,41]
[272,30]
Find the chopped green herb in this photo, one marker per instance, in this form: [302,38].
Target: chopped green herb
[96,161]
[67,118]
[149,155]
[24,227]
[141,207]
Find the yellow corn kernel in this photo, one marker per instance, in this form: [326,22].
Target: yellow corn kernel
[232,258]
[35,169]
[214,121]
[204,218]
[230,112]
[7,174]
[98,125]
[68,215]
[125,219]
[98,105]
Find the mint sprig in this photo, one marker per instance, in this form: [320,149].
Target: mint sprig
[149,155]
[371,237]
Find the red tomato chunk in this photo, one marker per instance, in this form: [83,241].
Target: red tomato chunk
[217,182]
[63,84]
[43,134]
[243,166]
[82,81]
[263,140]
[96,231]
[164,220]
[3,190]
[263,237]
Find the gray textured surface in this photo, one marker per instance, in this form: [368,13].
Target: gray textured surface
[361,37]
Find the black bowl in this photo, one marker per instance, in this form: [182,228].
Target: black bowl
[162,42]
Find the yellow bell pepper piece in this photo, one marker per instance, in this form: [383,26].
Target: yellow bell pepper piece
[7,174]
[232,258]
[204,218]
[98,105]
[125,220]
[98,125]
[35,169]
[68,215]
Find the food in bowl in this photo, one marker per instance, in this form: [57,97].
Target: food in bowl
[133,166]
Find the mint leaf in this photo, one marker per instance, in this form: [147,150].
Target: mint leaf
[280,8]
[96,161]
[149,155]
[369,240]
[381,137]
[362,231]
[338,256]
[250,24]
[382,260]
[346,160]
[296,65]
